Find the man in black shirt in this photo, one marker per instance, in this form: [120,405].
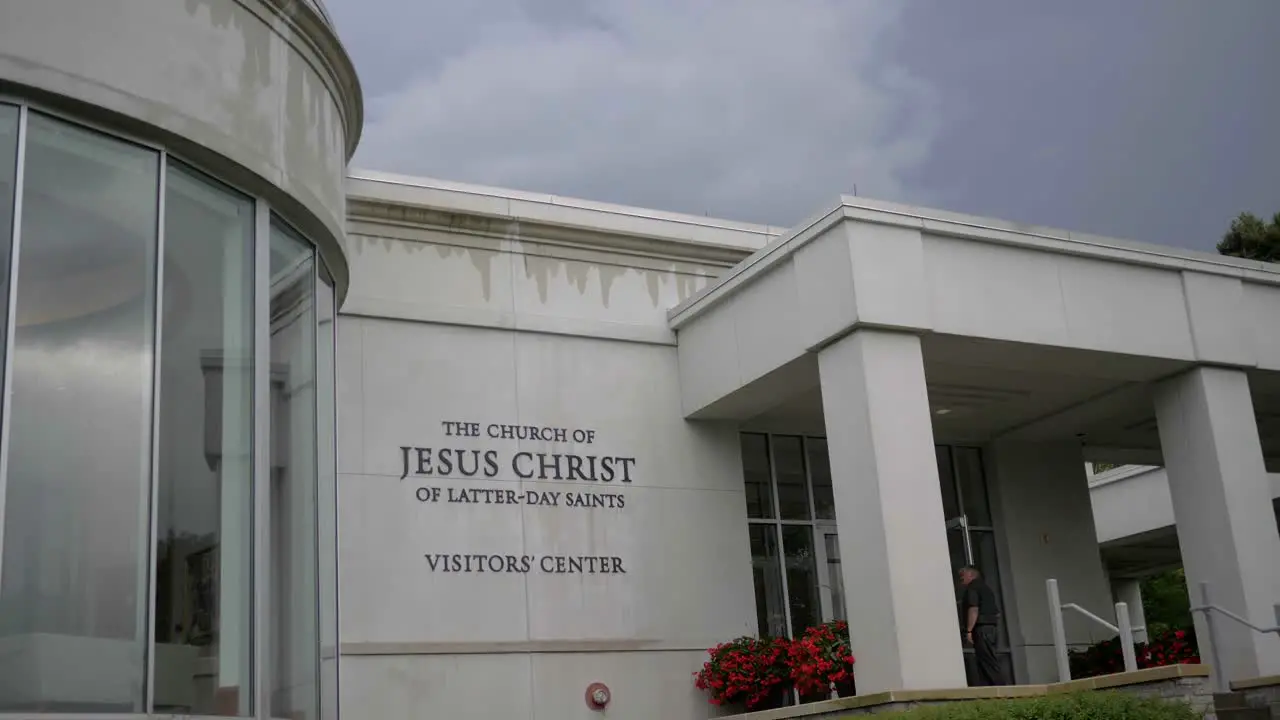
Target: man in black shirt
[980,615]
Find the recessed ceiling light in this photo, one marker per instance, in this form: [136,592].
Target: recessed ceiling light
[942,411]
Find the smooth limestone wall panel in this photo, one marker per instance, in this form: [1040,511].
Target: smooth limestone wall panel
[1007,293]
[670,519]
[1261,302]
[482,687]
[475,582]
[624,579]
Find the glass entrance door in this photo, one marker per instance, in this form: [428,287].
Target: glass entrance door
[830,578]
[971,536]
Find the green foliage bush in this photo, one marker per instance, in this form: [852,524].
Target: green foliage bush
[1065,706]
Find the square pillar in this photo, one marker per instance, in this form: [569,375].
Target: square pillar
[898,580]
[1129,592]
[1044,521]
[1222,507]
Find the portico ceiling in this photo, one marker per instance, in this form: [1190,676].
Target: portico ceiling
[980,390]
[1142,555]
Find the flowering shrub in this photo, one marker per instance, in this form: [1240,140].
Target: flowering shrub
[1172,647]
[821,658]
[748,670]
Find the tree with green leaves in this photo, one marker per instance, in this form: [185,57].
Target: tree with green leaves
[1165,602]
[1253,238]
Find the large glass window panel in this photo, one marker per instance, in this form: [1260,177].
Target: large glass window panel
[204,523]
[766,570]
[973,486]
[326,502]
[755,473]
[73,600]
[835,576]
[802,578]
[295,667]
[824,503]
[984,557]
[8,174]
[793,490]
[947,482]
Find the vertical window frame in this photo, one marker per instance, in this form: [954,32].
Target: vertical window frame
[11,314]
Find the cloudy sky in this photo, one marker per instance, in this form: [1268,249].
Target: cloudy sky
[1156,120]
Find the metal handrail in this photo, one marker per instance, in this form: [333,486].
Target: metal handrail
[1208,608]
[1123,628]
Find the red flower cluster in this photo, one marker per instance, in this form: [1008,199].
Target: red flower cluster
[1173,647]
[747,670]
[751,671]
[821,658]
[1176,647]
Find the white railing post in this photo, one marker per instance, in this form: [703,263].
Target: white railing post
[1215,665]
[1059,632]
[1126,637]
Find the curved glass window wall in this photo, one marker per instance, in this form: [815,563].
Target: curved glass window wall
[167,471]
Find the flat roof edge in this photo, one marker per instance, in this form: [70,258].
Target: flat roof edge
[978,224]
[976,229]
[552,209]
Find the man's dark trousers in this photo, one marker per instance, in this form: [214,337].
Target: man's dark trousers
[990,671]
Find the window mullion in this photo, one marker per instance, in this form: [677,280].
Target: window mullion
[152,499]
[782,548]
[315,478]
[15,245]
[261,455]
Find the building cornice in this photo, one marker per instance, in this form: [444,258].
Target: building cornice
[339,72]
[976,229]
[458,208]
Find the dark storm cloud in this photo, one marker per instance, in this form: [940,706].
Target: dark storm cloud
[1149,119]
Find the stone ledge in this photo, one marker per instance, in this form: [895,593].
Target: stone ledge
[893,699]
[1125,679]
[1266,681]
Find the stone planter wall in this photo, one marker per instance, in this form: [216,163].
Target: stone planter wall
[1263,692]
[1189,683]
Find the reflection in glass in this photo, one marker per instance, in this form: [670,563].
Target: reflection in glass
[824,502]
[973,486]
[802,578]
[766,570]
[294,614]
[204,519]
[835,576]
[327,505]
[73,629]
[788,464]
[755,473]
[8,172]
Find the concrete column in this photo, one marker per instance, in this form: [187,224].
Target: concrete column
[1129,592]
[1044,521]
[893,545]
[1222,507]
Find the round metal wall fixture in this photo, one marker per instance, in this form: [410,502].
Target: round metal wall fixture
[598,696]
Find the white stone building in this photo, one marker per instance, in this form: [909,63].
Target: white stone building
[284,440]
